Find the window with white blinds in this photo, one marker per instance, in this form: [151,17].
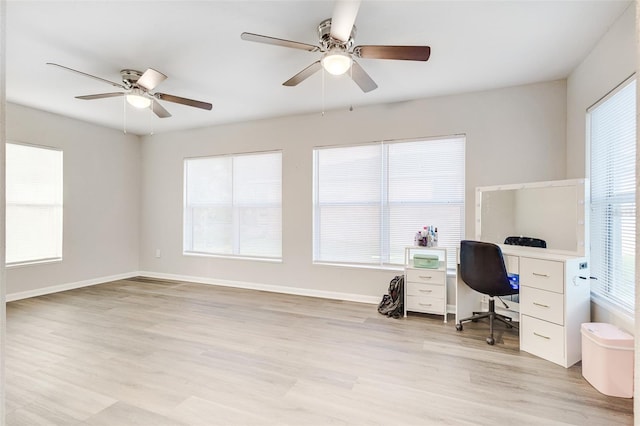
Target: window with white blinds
[33,204]
[370,200]
[612,131]
[233,205]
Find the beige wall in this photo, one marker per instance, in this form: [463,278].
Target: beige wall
[101,200]
[610,62]
[513,135]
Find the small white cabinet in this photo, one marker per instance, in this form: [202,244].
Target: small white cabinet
[425,289]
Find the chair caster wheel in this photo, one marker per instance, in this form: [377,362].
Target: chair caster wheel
[490,341]
[459,327]
[474,320]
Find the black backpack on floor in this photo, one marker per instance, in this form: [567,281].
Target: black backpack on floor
[392,304]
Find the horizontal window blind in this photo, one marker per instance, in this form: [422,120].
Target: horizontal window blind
[370,200]
[233,205]
[33,204]
[348,207]
[612,125]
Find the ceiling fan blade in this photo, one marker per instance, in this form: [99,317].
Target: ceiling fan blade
[159,109]
[150,79]
[406,53]
[183,101]
[88,75]
[278,42]
[303,75]
[100,96]
[343,18]
[362,79]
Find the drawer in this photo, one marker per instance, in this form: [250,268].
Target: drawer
[542,304]
[425,290]
[430,305]
[542,274]
[542,338]
[426,276]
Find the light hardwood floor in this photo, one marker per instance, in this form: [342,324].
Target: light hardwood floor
[150,352]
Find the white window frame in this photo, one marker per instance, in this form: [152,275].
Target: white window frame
[55,201]
[235,206]
[606,287]
[385,238]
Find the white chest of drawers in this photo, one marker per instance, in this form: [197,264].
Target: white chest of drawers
[554,302]
[425,290]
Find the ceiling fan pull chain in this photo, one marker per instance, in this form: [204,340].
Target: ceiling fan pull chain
[323,91]
[351,75]
[124,114]
[151,117]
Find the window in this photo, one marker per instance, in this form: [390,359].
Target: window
[33,204]
[370,200]
[612,130]
[232,205]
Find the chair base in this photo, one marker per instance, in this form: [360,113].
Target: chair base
[492,315]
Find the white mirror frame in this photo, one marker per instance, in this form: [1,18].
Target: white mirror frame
[581,187]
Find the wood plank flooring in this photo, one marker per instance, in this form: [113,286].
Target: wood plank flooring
[150,352]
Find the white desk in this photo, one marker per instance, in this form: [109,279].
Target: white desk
[554,302]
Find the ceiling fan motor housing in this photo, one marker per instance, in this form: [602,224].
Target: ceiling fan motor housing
[328,42]
[130,77]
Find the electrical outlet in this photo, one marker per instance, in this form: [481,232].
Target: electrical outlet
[158,253]
[583,265]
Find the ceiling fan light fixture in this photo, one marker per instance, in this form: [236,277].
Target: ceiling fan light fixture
[336,62]
[137,100]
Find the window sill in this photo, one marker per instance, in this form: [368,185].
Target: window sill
[32,263]
[232,257]
[397,268]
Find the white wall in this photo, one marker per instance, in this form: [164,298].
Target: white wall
[513,135]
[101,200]
[3,281]
[610,62]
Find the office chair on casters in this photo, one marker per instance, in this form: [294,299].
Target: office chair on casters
[482,268]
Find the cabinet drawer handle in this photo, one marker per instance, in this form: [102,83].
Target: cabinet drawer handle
[426,304]
[541,305]
[425,291]
[424,277]
[540,275]
[540,335]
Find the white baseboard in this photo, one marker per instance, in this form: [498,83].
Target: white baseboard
[350,297]
[68,286]
[266,287]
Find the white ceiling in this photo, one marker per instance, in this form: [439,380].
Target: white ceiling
[475,45]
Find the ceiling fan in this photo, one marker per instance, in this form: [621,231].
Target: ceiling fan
[336,39]
[138,88]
